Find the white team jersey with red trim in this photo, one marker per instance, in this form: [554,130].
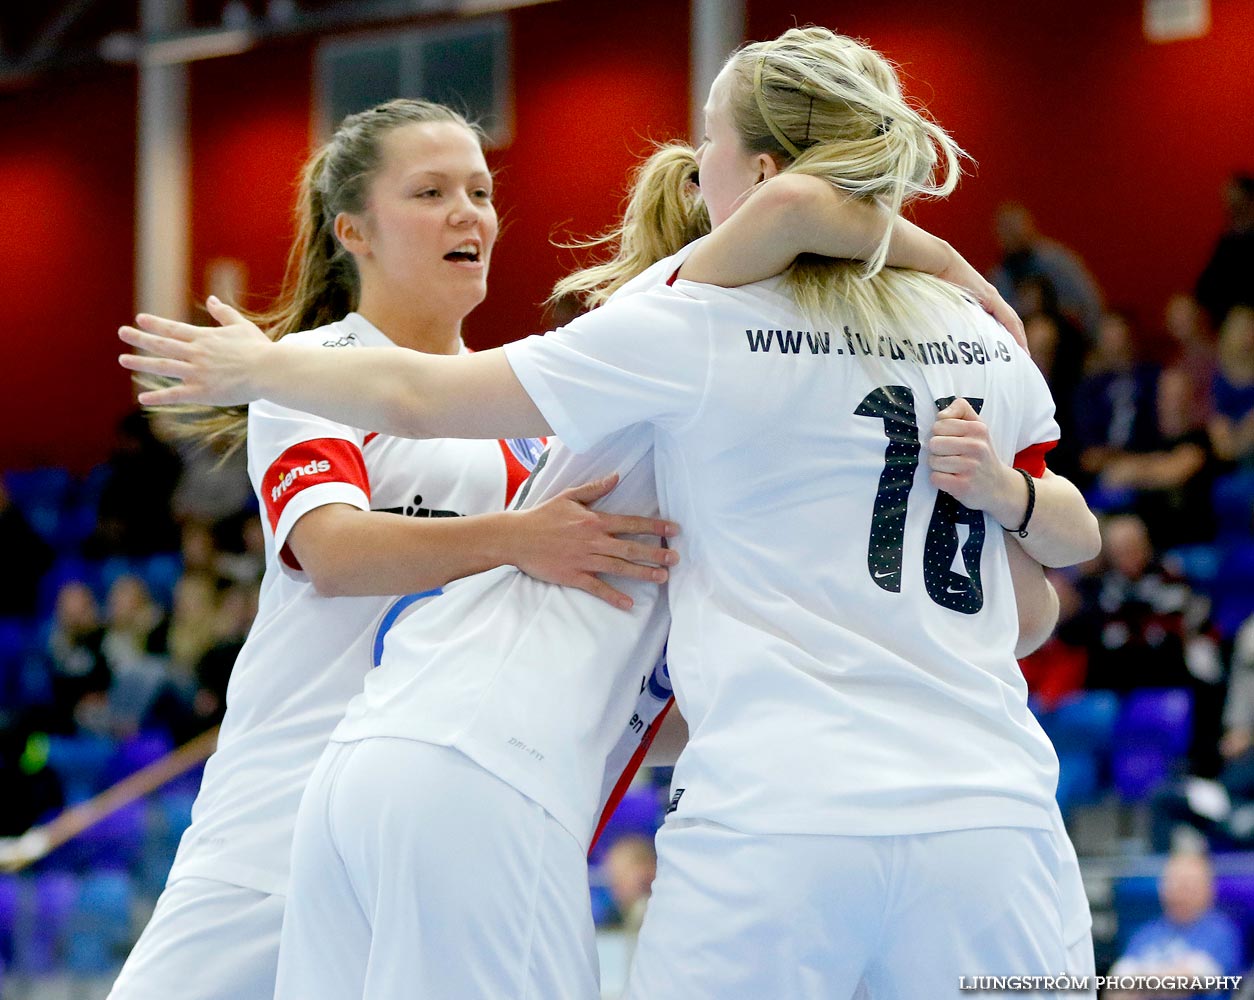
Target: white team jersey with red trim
[306,655]
[842,636]
[536,683]
[555,692]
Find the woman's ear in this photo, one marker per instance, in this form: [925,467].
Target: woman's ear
[350,231]
[767,167]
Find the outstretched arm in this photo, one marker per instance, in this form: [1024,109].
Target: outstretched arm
[390,390]
[792,214]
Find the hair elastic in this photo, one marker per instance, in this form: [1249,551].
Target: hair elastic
[758,95]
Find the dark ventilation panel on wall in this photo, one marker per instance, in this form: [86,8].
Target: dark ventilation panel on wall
[464,65]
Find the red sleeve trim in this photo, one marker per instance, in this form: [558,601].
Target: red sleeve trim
[671,280]
[369,437]
[310,463]
[629,774]
[1032,460]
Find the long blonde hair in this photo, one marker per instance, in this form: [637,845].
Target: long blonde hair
[321,284]
[823,104]
[664,214]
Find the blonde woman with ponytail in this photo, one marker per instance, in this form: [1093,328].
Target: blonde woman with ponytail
[865,795]
[396,229]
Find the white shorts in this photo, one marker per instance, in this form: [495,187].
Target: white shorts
[740,917]
[416,873]
[206,940]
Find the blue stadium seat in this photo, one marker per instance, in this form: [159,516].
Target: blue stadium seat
[1233,587]
[80,762]
[41,495]
[1233,502]
[10,891]
[43,918]
[99,926]
[640,812]
[1083,721]
[1153,732]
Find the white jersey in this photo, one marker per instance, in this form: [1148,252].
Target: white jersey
[842,638]
[532,681]
[306,655]
[583,683]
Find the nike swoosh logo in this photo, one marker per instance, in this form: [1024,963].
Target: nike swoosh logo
[960,590]
[880,576]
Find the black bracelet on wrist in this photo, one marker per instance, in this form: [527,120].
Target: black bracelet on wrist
[1022,530]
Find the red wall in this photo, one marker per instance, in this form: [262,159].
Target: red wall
[589,89]
[67,179]
[1120,147]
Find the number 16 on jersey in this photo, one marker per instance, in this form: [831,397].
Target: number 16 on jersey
[894,404]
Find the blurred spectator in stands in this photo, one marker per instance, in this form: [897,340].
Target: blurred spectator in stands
[26,558]
[241,545]
[185,709]
[1135,618]
[1191,938]
[630,866]
[79,673]
[1058,346]
[1144,627]
[1028,254]
[1221,810]
[1194,345]
[1115,404]
[197,548]
[1228,278]
[1232,426]
[132,646]
[211,487]
[1169,486]
[139,480]
[1058,668]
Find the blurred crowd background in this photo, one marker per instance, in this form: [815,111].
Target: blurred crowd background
[130,567]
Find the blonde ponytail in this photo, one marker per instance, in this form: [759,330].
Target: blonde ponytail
[664,214]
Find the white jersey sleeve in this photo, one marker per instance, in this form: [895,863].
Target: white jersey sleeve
[1038,428]
[645,359]
[298,462]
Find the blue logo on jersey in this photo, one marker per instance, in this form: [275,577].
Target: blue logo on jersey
[394,614]
[660,679]
[526,450]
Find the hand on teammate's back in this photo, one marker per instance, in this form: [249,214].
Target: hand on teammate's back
[964,464]
[564,541]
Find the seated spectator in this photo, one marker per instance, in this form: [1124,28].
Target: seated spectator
[1193,346]
[133,633]
[212,486]
[187,706]
[1191,938]
[1138,621]
[134,510]
[1232,426]
[630,866]
[1228,279]
[26,558]
[1115,404]
[1058,346]
[1222,810]
[79,675]
[1026,254]
[1169,486]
